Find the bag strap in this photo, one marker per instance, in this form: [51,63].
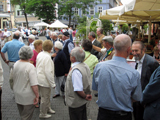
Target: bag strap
[86,58]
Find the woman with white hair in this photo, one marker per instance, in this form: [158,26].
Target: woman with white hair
[25,84]
[60,63]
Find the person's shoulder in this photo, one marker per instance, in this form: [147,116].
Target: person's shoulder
[150,59]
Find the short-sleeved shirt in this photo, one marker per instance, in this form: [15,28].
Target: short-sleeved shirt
[7,33]
[34,57]
[117,82]
[91,61]
[12,48]
[24,77]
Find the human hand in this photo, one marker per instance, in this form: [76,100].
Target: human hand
[7,62]
[66,75]
[36,101]
[54,55]
[88,97]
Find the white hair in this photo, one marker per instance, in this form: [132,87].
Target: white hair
[58,45]
[54,34]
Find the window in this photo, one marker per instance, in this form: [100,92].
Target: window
[1,8]
[100,9]
[76,11]
[22,12]
[83,12]
[18,12]
[91,11]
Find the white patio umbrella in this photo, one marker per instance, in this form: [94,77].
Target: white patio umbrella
[58,24]
[4,15]
[41,24]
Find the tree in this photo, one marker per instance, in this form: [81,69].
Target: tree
[44,9]
[107,26]
[66,7]
[23,5]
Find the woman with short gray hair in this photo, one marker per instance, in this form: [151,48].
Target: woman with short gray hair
[25,83]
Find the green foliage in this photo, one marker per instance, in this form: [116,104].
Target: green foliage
[44,9]
[145,28]
[107,26]
[66,7]
[124,28]
[23,4]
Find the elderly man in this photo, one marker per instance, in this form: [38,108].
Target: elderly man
[100,35]
[6,35]
[77,88]
[92,38]
[107,51]
[145,65]
[12,48]
[118,84]
[31,39]
[67,47]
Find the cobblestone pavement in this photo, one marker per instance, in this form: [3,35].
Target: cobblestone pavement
[10,111]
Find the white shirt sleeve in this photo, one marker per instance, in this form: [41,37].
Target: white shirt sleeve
[103,50]
[33,76]
[77,80]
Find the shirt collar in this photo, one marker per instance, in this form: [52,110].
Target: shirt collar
[93,41]
[75,63]
[119,59]
[142,59]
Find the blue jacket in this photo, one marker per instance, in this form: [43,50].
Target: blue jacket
[60,63]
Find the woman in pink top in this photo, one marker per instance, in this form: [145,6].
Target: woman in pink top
[73,34]
[38,48]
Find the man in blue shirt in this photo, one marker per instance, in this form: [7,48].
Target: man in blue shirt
[12,49]
[117,83]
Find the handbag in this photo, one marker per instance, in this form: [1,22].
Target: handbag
[63,84]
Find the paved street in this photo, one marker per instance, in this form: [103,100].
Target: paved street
[10,111]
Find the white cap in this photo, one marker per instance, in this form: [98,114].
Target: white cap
[0,29]
[31,37]
[58,45]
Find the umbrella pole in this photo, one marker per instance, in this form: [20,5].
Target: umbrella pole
[149,34]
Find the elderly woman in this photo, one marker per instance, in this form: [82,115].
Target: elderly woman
[45,73]
[60,63]
[38,49]
[25,84]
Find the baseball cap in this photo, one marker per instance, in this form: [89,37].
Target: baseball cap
[108,38]
[32,37]
[66,34]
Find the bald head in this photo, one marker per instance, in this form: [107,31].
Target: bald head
[16,35]
[122,42]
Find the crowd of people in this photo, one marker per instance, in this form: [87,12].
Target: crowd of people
[99,64]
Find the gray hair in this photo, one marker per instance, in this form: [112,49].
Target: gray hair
[25,53]
[92,34]
[54,34]
[78,53]
[122,42]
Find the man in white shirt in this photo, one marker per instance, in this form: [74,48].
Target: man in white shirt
[31,39]
[77,90]
[6,35]
[145,65]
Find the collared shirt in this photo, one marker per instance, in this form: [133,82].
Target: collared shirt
[91,61]
[7,33]
[77,78]
[70,45]
[12,48]
[93,41]
[140,62]
[32,45]
[117,82]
